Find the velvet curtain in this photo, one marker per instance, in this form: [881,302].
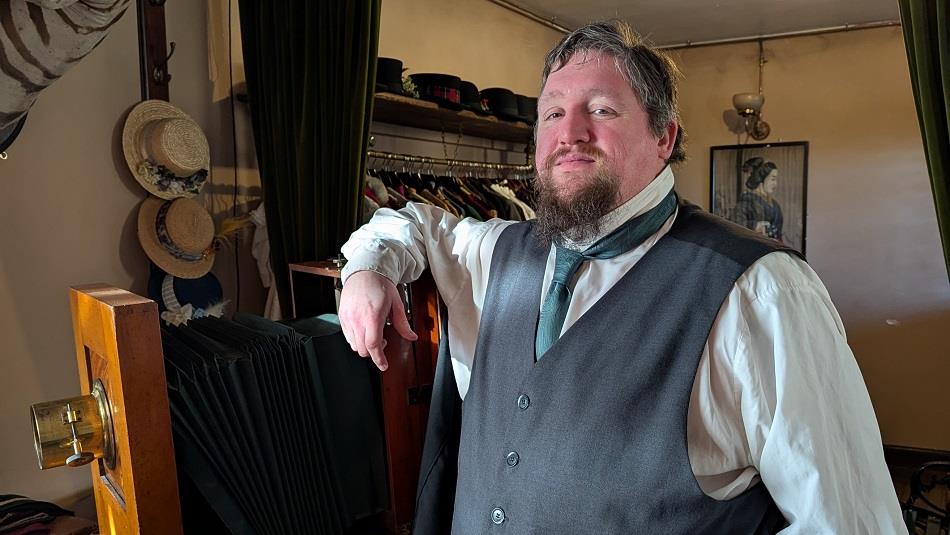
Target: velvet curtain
[926,25]
[310,68]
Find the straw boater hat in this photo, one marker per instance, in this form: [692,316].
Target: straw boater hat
[166,150]
[178,235]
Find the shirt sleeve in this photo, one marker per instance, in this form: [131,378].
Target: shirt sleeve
[807,417]
[401,244]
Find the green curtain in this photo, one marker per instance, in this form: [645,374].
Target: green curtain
[926,26]
[310,68]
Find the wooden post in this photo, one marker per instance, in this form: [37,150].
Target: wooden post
[153,55]
[118,342]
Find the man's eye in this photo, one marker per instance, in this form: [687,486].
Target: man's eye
[602,111]
[553,115]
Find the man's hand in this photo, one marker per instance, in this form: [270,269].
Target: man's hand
[367,299]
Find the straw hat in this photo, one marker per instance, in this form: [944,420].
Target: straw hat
[178,235]
[166,150]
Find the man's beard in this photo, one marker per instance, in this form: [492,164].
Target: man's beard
[579,217]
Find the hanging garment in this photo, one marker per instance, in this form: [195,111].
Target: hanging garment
[260,250]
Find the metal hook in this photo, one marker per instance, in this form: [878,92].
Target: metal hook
[160,72]
[3,155]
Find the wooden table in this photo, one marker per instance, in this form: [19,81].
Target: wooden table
[324,268]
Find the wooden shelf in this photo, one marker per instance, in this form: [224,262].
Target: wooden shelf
[405,111]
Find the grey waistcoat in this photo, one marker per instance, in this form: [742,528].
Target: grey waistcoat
[592,438]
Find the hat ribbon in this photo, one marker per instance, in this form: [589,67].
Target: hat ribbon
[165,180]
[447,93]
[166,241]
[168,293]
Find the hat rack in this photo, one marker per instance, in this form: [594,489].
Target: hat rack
[450,163]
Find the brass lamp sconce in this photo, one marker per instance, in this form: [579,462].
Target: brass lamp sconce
[749,107]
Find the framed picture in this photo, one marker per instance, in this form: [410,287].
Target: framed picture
[762,187]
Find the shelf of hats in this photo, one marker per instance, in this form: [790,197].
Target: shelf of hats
[445,102]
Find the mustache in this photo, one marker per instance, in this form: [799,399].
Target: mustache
[583,150]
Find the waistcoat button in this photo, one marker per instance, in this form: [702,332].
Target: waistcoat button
[497,515]
[512,458]
[523,401]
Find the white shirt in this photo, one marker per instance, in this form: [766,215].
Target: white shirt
[777,398]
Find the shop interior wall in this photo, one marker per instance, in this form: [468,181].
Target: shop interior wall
[68,208]
[68,203]
[871,227]
[872,233]
[476,40]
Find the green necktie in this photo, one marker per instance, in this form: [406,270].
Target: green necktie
[567,261]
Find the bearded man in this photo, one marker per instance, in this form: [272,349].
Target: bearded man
[628,362]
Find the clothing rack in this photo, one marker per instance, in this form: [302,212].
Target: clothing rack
[442,142]
[425,160]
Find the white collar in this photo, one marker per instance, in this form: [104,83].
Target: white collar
[647,199]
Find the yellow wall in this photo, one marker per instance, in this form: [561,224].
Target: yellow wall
[481,42]
[871,229]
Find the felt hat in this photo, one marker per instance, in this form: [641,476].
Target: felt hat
[502,102]
[527,109]
[178,235]
[389,75]
[471,99]
[442,89]
[166,150]
[180,300]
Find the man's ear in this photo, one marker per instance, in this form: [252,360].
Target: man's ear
[667,141]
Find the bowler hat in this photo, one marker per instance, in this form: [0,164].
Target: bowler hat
[527,109]
[472,99]
[502,102]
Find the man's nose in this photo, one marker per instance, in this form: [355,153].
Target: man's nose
[574,129]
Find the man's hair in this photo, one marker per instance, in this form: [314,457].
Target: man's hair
[651,74]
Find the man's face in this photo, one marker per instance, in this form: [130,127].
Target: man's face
[590,124]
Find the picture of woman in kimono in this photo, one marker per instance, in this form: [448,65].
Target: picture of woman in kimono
[756,208]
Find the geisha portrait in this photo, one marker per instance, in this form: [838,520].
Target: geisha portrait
[763,188]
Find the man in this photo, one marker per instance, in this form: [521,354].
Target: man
[628,363]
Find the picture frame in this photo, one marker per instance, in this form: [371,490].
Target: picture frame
[763,187]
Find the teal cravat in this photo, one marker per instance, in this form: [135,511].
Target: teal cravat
[567,261]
